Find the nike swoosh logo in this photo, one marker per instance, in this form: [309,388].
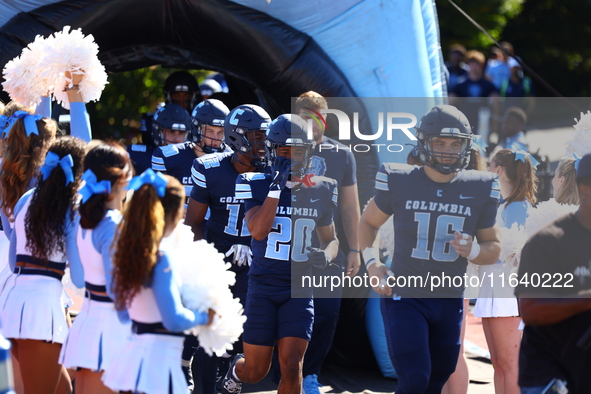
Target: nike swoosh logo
[465,197]
[314,200]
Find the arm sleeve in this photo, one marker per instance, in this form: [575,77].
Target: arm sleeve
[350,177]
[199,193]
[516,212]
[13,237]
[76,270]
[102,243]
[383,197]
[247,191]
[5,224]
[158,160]
[80,122]
[44,107]
[175,317]
[488,216]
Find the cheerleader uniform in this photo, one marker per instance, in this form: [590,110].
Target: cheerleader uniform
[151,360]
[496,297]
[97,333]
[30,306]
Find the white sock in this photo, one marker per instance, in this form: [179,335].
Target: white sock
[186,363]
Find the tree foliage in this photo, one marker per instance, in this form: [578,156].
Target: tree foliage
[492,15]
[126,97]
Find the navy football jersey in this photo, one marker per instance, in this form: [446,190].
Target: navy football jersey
[176,160]
[300,211]
[214,178]
[141,157]
[426,214]
[334,160]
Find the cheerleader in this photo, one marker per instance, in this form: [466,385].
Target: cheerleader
[147,283]
[564,182]
[496,303]
[44,237]
[97,332]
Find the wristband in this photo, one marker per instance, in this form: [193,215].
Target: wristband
[354,250]
[474,252]
[274,194]
[368,257]
[73,87]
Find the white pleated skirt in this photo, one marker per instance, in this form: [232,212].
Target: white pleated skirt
[31,308]
[496,297]
[150,364]
[95,337]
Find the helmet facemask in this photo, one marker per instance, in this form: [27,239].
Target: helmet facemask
[299,168]
[444,162]
[198,137]
[249,147]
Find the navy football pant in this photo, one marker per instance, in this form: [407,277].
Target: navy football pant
[423,337]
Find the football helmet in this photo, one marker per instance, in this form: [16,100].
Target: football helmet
[181,81]
[173,117]
[242,120]
[444,121]
[208,112]
[209,87]
[292,131]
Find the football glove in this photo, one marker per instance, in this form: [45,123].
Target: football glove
[317,258]
[280,173]
[242,254]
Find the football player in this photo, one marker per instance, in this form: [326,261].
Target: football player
[176,159]
[283,209]
[214,177]
[444,215]
[180,88]
[333,160]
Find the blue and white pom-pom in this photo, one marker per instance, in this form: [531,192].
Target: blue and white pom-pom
[512,241]
[24,76]
[580,141]
[41,69]
[545,213]
[206,282]
[69,50]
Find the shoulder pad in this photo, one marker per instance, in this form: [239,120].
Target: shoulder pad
[169,150]
[139,148]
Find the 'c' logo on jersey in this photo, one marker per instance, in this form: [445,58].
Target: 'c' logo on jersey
[233,119]
[318,166]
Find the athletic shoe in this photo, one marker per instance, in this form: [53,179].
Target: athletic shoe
[230,385]
[189,376]
[220,373]
[310,385]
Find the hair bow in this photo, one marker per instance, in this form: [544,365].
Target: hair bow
[28,119]
[521,155]
[577,161]
[149,177]
[92,186]
[3,122]
[52,160]
[480,143]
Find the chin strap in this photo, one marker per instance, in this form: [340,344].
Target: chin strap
[306,180]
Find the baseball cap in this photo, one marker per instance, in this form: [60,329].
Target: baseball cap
[584,168]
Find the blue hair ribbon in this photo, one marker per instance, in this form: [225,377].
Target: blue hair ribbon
[521,155]
[28,119]
[577,161]
[92,186]
[52,160]
[3,122]
[480,143]
[149,177]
